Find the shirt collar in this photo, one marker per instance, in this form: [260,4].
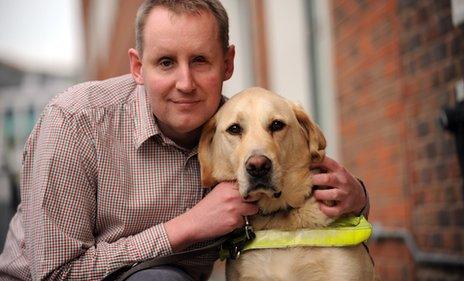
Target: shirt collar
[145,124]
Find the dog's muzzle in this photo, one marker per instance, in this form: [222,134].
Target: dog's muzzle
[259,170]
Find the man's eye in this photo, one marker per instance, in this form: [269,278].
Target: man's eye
[166,63]
[235,129]
[199,59]
[276,125]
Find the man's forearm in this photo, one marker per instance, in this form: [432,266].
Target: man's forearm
[180,232]
[97,261]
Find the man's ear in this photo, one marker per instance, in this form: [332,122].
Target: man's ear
[313,133]
[229,62]
[206,154]
[136,66]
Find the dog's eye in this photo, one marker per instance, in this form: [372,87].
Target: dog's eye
[234,129]
[276,125]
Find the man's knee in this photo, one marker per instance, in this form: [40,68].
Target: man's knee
[162,273]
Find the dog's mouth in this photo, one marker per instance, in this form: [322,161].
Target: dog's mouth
[256,192]
[259,180]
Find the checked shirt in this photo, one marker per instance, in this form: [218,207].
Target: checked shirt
[98,182]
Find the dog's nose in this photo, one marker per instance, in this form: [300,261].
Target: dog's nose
[258,166]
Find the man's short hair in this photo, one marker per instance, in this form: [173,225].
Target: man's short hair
[183,6]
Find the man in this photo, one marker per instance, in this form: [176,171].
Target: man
[110,172]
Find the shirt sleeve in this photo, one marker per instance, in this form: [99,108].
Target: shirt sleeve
[59,187]
[365,210]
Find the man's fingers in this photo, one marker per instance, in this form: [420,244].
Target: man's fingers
[327,163]
[331,196]
[246,209]
[329,211]
[249,209]
[328,179]
[327,195]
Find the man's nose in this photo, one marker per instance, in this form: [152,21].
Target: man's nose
[185,81]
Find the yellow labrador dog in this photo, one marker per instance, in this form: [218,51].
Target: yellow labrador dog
[267,144]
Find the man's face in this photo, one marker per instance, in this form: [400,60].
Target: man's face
[183,68]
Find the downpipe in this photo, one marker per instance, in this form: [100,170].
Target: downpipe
[381,233]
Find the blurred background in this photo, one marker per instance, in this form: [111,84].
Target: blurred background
[383,78]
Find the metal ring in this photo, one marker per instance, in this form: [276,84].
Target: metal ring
[247,222]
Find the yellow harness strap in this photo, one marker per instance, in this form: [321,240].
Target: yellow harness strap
[342,232]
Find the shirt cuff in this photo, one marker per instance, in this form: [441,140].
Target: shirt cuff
[151,243]
[365,210]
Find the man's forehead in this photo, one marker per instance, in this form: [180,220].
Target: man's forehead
[163,19]
[161,13]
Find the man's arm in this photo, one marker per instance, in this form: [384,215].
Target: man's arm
[59,188]
[348,192]
[219,213]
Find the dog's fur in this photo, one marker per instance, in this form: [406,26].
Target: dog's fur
[284,194]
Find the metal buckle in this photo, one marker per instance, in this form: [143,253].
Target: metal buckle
[235,253]
[250,234]
[237,240]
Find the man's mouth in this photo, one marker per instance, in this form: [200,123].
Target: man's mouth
[185,101]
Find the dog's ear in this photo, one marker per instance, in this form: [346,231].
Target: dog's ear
[314,135]
[206,152]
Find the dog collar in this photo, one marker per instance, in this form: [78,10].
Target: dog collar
[348,231]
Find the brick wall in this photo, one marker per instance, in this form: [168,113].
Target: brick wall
[397,63]
[113,61]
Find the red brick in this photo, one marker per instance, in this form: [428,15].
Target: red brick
[394,77]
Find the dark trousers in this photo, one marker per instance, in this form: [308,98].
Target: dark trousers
[161,273]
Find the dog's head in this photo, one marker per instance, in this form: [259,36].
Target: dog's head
[265,143]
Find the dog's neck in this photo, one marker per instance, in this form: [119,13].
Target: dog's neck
[306,216]
[283,210]
[296,207]
[295,188]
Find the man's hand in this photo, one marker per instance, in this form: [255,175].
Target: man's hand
[219,213]
[342,188]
